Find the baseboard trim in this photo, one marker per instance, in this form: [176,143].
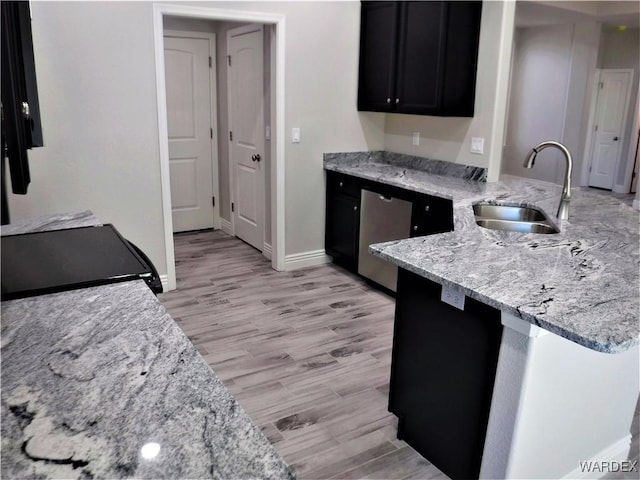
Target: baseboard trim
[617,452]
[620,189]
[164,279]
[266,250]
[636,204]
[305,259]
[226,226]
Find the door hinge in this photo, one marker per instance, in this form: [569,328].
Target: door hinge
[213,201]
[211,132]
[233,207]
[229,59]
[210,62]
[230,136]
[596,128]
[601,85]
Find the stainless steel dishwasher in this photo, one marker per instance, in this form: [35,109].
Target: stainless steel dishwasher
[381,219]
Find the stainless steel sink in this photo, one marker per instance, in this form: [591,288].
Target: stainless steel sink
[512,219]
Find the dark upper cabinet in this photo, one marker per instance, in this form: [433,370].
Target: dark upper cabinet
[21,128]
[378,37]
[419,57]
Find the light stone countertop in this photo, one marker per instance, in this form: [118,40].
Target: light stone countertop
[90,376]
[582,283]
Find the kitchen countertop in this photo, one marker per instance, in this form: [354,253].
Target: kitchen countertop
[90,376]
[581,284]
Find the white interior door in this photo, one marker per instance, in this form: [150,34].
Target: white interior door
[246,123]
[189,129]
[611,108]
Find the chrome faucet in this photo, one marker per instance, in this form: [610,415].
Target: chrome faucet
[563,208]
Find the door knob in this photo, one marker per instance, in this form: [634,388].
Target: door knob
[615,139]
[257,155]
[253,158]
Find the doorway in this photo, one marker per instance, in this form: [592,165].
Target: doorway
[276,168]
[613,93]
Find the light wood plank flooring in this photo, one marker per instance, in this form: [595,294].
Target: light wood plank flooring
[306,353]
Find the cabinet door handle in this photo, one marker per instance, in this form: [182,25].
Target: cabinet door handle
[26,110]
[388,100]
[386,199]
[426,208]
[415,228]
[355,208]
[341,184]
[397,100]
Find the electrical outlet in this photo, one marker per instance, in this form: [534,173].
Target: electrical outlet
[477,145]
[416,138]
[452,297]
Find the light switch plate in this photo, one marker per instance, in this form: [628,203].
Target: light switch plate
[452,297]
[477,145]
[267,132]
[295,135]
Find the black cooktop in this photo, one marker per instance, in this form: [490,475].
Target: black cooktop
[59,260]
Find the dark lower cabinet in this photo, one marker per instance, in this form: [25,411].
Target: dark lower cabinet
[429,215]
[442,374]
[342,228]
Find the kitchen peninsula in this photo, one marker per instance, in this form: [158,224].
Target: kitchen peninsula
[565,377]
[102,383]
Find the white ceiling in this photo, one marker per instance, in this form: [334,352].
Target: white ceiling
[610,13]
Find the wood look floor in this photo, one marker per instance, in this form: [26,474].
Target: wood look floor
[306,353]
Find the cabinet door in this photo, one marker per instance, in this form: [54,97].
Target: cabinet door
[378,38]
[461,58]
[431,215]
[342,229]
[443,369]
[421,57]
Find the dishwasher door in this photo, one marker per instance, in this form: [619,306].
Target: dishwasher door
[381,219]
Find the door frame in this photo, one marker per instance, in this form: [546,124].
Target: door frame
[277,174]
[590,138]
[213,112]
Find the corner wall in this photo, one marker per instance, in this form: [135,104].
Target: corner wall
[622,50]
[449,138]
[550,97]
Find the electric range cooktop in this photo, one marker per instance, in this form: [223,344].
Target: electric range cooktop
[54,261]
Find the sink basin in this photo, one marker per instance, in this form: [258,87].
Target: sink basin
[523,227]
[512,219]
[505,212]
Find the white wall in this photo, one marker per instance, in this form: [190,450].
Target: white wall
[450,138]
[96,79]
[550,95]
[96,73]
